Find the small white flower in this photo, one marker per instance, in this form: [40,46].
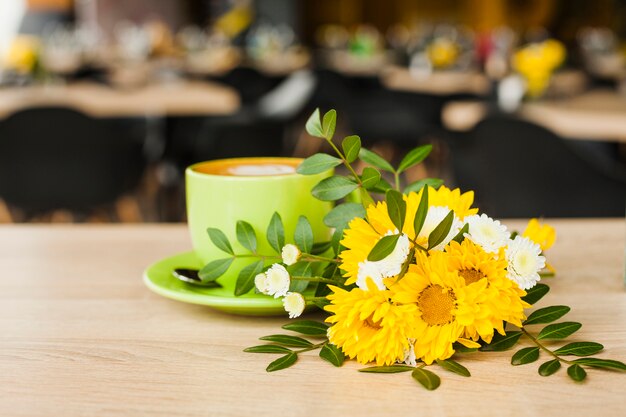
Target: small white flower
[435,215]
[260,282]
[409,354]
[278,281]
[294,304]
[368,269]
[388,267]
[524,262]
[290,254]
[487,233]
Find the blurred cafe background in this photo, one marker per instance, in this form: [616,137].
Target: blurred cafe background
[103,103]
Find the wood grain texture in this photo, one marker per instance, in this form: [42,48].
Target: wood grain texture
[80,335]
[183,98]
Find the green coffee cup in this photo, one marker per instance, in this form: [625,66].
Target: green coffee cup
[222,192]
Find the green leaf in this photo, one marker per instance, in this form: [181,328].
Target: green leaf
[370,177]
[246,235]
[245,280]
[559,330]
[267,349]
[536,293]
[318,163]
[335,240]
[300,269]
[550,367]
[276,233]
[328,124]
[422,211]
[383,248]
[215,269]
[307,327]
[601,363]
[333,188]
[313,126]
[332,354]
[452,366]
[418,185]
[220,240]
[580,349]
[375,160]
[396,208]
[282,362]
[547,315]
[576,373]
[428,379]
[303,236]
[382,186]
[414,157]
[343,213]
[500,343]
[440,232]
[460,237]
[320,247]
[351,146]
[525,355]
[393,369]
[287,340]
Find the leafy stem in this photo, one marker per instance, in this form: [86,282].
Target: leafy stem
[396,177]
[309,257]
[257,255]
[545,349]
[316,279]
[312,347]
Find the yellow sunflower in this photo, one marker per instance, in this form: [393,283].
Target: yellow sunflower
[367,326]
[445,305]
[362,235]
[542,234]
[499,301]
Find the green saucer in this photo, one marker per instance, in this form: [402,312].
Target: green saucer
[158,277]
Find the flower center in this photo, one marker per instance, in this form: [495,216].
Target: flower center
[471,275]
[436,305]
[369,322]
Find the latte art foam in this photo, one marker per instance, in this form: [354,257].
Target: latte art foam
[261,170]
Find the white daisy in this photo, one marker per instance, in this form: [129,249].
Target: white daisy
[368,269]
[278,281]
[290,254]
[409,354]
[260,282]
[294,304]
[487,233]
[524,262]
[435,215]
[390,266]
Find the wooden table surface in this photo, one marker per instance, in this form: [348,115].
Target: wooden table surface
[80,335]
[594,115]
[441,83]
[174,99]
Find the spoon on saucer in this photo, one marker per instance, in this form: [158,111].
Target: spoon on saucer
[190,276]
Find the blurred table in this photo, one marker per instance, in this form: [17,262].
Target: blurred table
[594,115]
[281,64]
[441,83]
[352,65]
[81,335]
[177,98]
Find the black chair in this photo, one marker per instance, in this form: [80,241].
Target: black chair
[519,169]
[58,158]
[258,129]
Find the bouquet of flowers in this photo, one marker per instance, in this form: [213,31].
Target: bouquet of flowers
[536,62]
[410,280]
